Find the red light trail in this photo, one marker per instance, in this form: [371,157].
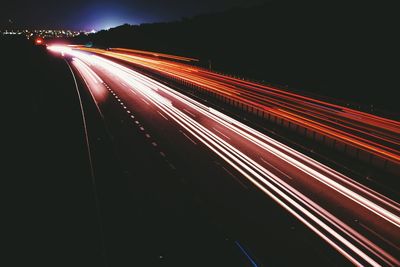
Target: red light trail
[291,179]
[377,135]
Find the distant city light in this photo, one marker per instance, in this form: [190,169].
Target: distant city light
[44,33]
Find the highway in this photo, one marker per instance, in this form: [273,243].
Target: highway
[377,135]
[356,222]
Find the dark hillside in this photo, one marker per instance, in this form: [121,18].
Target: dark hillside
[342,49]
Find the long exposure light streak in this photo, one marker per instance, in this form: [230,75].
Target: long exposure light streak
[379,136]
[332,228]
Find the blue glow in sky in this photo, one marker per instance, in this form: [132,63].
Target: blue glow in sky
[102,14]
[105,16]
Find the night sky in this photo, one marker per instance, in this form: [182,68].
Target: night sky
[90,14]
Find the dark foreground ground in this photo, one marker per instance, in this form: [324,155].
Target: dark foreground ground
[50,209]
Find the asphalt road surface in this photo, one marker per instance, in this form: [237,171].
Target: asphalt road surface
[257,187]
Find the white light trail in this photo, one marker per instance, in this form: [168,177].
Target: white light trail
[338,234]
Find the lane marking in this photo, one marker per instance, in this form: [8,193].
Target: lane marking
[188,137]
[145,101]
[221,133]
[278,170]
[171,166]
[234,177]
[378,235]
[189,112]
[162,115]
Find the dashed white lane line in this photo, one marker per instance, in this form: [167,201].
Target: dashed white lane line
[162,115]
[234,177]
[154,144]
[171,166]
[188,137]
[133,92]
[191,114]
[222,134]
[145,101]
[278,170]
[377,234]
